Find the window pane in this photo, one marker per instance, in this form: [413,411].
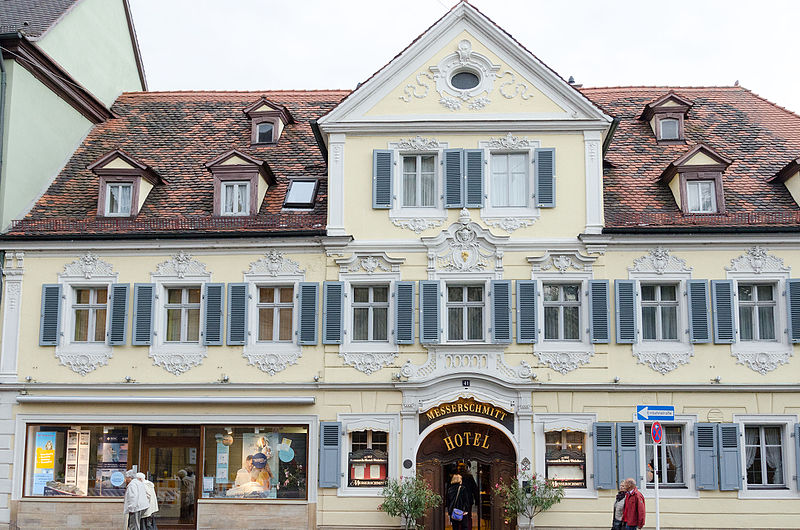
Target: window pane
[193,325]
[194,296]
[100,325]
[551,323]
[764,293]
[81,325]
[669,129]
[746,323]
[551,293]
[242,199]
[475,323]
[380,294]
[285,331]
[409,189]
[301,192]
[474,294]
[264,132]
[428,197]
[571,323]
[173,325]
[174,296]
[101,295]
[707,196]
[361,323]
[359,440]
[125,199]
[227,207]
[694,196]
[409,164]
[287,294]
[668,293]
[265,323]
[500,182]
[379,323]
[518,187]
[266,294]
[113,199]
[745,293]
[361,294]
[669,323]
[649,323]
[766,323]
[380,440]
[455,323]
[455,294]
[553,438]
[648,293]
[82,296]
[571,293]
[575,441]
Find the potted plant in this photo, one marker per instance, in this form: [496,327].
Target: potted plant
[528,496]
[409,498]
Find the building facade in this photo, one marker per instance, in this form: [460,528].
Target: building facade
[273,302]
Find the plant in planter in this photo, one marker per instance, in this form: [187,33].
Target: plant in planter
[409,498]
[528,496]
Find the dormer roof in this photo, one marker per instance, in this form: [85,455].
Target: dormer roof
[263,105]
[669,102]
[698,158]
[235,160]
[786,172]
[119,162]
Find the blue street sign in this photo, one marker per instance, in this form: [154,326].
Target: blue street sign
[655,412]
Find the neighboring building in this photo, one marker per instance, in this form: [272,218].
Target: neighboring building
[493,268]
[64,63]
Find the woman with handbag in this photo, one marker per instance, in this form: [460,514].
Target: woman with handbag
[619,506]
[459,504]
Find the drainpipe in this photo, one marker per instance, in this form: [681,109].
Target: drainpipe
[2,133]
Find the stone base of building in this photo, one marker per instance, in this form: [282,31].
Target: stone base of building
[255,515]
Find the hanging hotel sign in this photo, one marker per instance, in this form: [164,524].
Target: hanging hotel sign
[466,407]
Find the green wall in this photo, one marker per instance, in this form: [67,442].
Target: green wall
[94,45]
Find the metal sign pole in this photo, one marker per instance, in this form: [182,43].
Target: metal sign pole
[655,481]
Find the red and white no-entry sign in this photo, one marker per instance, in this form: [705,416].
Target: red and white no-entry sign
[656,432]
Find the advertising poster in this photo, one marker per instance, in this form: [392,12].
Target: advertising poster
[45,461]
[261,470]
[112,461]
[222,462]
[83,461]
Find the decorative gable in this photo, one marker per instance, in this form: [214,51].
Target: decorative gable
[267,120]
[124,184]
[240,183]
[695,180]
[666,115]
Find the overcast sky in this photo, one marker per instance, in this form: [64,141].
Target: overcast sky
[319,44]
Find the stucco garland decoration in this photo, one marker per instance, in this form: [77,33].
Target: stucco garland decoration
[762,362]
[368,363]
[83,362]
[509,141]
[87,266]
[417,224]
[178,363]
[418,143]
[756,260]
[509,224]
[564,361]
[274,263]
[663,362]
[520,89]
[270,362]
[659,260]
[180,265]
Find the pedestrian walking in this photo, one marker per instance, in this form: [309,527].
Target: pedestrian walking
[135,501]
[149,518]
[619,506]
[633,513]
[459,502]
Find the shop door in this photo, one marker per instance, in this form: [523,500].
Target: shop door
[170,459]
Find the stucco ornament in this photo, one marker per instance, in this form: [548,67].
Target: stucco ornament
[463,247]
[510,224]
[177,363]
[519,89]
[663,362]
[181,265]
[561,261]
[564,361]
[509,141]
[417,224]
[274,263]
[762,362]
[368,363]
[83,362]
[418,143]
[658,260]
[444,360]
[369,263]
[87,266]
[757,260]
[272,362]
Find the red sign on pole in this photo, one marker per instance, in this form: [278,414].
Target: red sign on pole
[656,432]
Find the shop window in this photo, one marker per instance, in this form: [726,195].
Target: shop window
[275,308]
[509,187]
[370,313]
[76,461]
[268,462]
[565,458]
[562,312]
[89,307]
[670,457]
[764,456]
[756,312]
[368,459]
[183,314]
[419,181]
[465,312]
[659,312]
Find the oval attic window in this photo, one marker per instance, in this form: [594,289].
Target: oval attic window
[465,80]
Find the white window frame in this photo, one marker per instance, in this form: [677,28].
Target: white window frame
[527,214]
[659,304]
[687,421]
[696,183]
[583,345]
[184,305]
[575,422]
[465,304]
[92,308]
[418,191]
[755,304]
[108,212]
[465,279]
[410,215]
[276,305]
[368,346]
[389,423]
[677,129]
[528,195]
[561,304]
[235,184]
[370,306]
[786,423]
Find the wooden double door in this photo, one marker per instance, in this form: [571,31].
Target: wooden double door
[446,451]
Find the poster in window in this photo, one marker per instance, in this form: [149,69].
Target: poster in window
[112,461]
[566,468]
[256,477]
[368,468]
[45,461]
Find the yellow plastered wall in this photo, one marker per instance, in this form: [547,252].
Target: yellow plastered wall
[700,159]
[675,188]
[394,104]
[144,191]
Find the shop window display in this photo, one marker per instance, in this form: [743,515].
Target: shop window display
[76,461]
[255,462]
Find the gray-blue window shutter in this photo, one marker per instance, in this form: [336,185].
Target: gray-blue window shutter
[429,328]
[546,177]
[605,462]
[699,324]
[50,322]
[474,170]
[307,326]
[144,299]
[212,297]
[628,451]
[404,313]
[330,446]
[118,314]
[453,177]
[501,311]
[527,332]
[730,464]
[238,298]
[625,291]
[382,170]
[797,453]
[705,456]
[332,312]
[722,302]
[599,324]
[793,299]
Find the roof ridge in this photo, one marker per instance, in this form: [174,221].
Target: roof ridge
[222,92]
[663,87]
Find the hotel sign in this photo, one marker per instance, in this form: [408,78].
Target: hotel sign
[466,407]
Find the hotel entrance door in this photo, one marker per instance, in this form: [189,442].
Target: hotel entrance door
[473,450]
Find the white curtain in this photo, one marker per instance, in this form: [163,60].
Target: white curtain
[751,440]
[675,452]
[772,439]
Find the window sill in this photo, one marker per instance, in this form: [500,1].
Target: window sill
[768,493]
[359,492]
[580,493]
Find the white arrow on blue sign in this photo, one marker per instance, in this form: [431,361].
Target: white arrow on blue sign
[655,412]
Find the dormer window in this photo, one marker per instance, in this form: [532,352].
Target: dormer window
[301,194]
[702,196]
[236,198]
[267,120]
[118,199]
[124,184]
[240,183]
[695,180]
[666,115]
[670,129]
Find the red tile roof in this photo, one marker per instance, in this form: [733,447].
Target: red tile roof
[758,136]
[177,133]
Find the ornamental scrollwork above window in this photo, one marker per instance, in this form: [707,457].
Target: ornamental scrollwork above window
[757,260]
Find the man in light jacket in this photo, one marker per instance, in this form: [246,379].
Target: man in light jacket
[148,518]
[633,513]
[135,501]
